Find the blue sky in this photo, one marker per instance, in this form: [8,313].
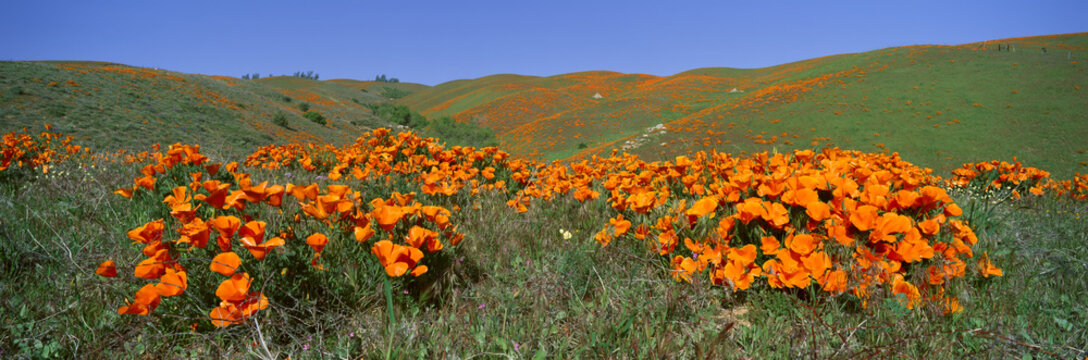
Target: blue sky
[431,42]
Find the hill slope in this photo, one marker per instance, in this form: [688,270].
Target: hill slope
[110,106]
[937,105]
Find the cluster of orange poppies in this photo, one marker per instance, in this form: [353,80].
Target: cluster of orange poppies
[992,176]
[1014,178]
[845,221]
[21,149]
[421,228]
[1077,188]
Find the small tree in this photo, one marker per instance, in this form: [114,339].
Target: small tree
[280,119]
[315,117]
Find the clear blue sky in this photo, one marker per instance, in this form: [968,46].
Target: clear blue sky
[431,42]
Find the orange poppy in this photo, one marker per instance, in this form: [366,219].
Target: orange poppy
[363,233]
[802,243]
[387,216]
[910,293]
[226,263]
[619,225]
[196,232]
[106,269]
[864,217]
[153,267]
[397,259]
[818,210]
[987,268]
[226,226]
[147,232]
[172,283]
[259,251]
[317,241]
[235,288]
[702,207]
[147,299]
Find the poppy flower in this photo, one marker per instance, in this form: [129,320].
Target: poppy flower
[619,225]
[226,263]
[172,283]
[153,267]
[147,232]
[259,251]
[225,226]
[818,210]
[682,268]
[702,207]
[317,241]
[864,217]
[397,259]
[106,269]
[235,288]
[387,216]
[147,299]
[196,233]
[225,315]
[802,243]
[987,268]
[911,296]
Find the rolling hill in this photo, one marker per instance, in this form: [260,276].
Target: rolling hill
[112,106]
[937,105]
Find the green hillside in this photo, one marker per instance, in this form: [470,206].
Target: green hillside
[939,106]
[111,106]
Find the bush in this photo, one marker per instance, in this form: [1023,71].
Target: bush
[582,146]
[394,93]
[398,114]
[286,99]
[306,75]
[280,119]
[458,133]
[315,117]
[304,106]
[382,78]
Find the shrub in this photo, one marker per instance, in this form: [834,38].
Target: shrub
[582,146]
[306,75]
[315,117]
[394,93]
[398,114]
[458,133]
[286,99]
[280,119]
[304,106]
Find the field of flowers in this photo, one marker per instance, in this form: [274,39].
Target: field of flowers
[223,249]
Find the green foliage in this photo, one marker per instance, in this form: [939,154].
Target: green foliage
[280,119]
[316,117]
[394,93]
[253,76]
[382,78]
[286,99]
[398,114]
[304,106]
[457,133]
[582,145]
[306,75]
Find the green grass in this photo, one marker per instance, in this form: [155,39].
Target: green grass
[1040,124]
[515,288]
[109,109]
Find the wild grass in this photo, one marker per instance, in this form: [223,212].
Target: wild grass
[516,289]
